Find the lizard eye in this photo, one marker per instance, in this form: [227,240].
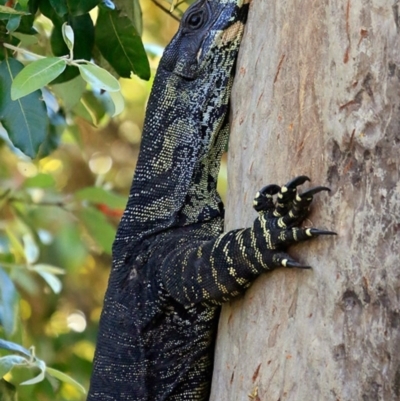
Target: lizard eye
[196,20]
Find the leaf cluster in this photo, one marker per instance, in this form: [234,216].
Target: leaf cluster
[26,359]
[38,219]
[49,71]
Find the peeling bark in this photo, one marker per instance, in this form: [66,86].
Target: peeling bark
[317,92]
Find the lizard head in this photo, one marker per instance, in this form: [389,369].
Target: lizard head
[207,28]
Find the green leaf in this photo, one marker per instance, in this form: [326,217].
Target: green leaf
[25,280]
[92,108]
[10,346]
[33,6]
[24,4]
[53,138]
[70,92]
[8,303]
[81,110]
[98,228]
[84,41]
[42,267]
[79,7]
[59,6]
[99,195]
[13,23]
[26,25]
[36,75]
[133,11]
[53,282]
[7,363]
[65,378]
[118,103]
[98,78]
[84,37]
[68,35]
[31,249]
[40,377]
[120,44]
[25,40]
[39,181]
[67,239]
[9,10]
[51,11]
[25,120]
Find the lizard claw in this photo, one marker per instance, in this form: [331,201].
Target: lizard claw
[311,192]
[263,199]
[297,265]
[288,193]
[301,179]
[269,190]
[293,263]
[284,260]
[314,232]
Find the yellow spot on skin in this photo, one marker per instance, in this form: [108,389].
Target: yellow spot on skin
[257,194]
[298,198]
[199,54]
[281,223]
[206,294]
[308,232]
[232,32]
[284,262]
[284,189]
[255,203]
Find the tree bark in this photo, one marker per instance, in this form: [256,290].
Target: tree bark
[317,92]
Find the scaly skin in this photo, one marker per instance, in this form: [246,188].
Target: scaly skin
[172,264]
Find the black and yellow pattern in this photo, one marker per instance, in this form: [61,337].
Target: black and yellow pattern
[172,264]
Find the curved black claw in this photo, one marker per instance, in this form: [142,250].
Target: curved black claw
[264,198]
[316,232]
[293,263]
[270,190]
[311,192]
[301,179]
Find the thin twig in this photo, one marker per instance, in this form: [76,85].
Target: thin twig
[21,50]
[166,10]
[31,202]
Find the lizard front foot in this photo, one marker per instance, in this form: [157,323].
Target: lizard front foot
[278,221]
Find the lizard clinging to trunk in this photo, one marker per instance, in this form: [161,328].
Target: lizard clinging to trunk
[172,264]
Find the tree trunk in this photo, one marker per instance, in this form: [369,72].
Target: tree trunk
[317,92]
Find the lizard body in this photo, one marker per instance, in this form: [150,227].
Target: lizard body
[172,264]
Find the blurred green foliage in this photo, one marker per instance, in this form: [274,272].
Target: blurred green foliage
[61,41]
[59,210]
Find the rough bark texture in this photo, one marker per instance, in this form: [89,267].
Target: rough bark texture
[318,93]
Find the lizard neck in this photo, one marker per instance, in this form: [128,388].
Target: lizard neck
[202,202]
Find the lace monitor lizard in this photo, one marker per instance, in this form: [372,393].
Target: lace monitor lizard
[172,264]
